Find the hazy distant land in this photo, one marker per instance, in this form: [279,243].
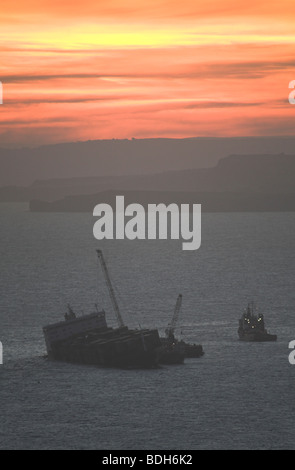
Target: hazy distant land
[101,158]
[211,202]
[237,182]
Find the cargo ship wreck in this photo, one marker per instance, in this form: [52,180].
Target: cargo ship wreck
[87,339]
[252,327]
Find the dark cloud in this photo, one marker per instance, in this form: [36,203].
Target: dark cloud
[27,122]
[221,104]
[40,78]
[69,100]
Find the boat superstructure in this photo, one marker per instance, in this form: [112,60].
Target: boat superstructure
[252,326]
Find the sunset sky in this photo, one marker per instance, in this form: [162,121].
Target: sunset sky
[103,69]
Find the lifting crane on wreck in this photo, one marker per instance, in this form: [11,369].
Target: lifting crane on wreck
[170,330]
[110,288]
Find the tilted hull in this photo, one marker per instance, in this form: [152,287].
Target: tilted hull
[88,340]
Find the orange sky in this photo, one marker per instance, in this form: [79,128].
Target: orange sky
[103,69]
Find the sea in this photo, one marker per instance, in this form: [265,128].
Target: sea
[239,395]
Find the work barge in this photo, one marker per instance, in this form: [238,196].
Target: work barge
[87,339]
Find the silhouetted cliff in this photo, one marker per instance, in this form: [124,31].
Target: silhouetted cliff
[21,167]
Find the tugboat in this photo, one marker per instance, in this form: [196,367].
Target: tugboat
[252,327]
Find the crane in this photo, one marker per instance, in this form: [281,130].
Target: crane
[110,288]
[170,330]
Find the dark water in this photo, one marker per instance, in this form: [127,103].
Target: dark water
[237,396]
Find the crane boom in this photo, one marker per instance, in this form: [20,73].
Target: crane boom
[170,330]
[110,288]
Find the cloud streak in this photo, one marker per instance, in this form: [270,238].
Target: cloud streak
[154,10]
[245,70]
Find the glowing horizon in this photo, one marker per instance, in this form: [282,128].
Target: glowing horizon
[126,69]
